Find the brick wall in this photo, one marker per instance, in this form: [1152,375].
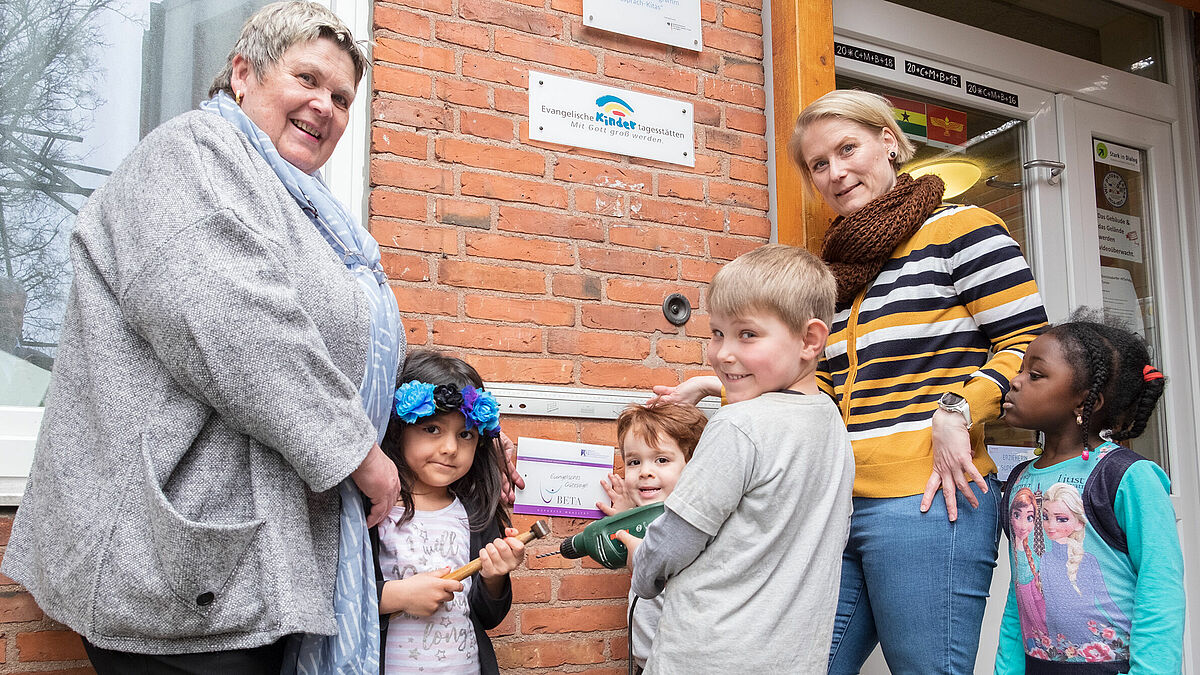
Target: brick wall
[540,263]
[30,642]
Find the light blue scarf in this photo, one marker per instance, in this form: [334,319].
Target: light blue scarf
[355,648]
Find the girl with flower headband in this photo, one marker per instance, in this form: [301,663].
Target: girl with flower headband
[1109,563]
[444,438]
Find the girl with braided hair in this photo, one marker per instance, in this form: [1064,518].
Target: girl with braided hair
[1111,570]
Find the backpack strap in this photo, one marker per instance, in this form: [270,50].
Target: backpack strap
[1100,495]
[1006,493]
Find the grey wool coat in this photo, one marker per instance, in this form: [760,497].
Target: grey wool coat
[203,404]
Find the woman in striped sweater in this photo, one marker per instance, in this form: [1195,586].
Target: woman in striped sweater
[935,308]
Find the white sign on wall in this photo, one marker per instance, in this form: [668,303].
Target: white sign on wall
[562,478]
[671,22]
[599,117]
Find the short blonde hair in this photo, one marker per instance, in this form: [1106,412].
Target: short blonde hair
[855,105]
[786,281]
[275,28]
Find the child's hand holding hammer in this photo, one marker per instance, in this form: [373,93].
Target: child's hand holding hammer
[499,558]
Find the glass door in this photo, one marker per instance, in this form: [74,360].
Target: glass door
[1123,223]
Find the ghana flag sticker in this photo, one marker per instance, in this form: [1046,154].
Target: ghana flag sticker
[910,115]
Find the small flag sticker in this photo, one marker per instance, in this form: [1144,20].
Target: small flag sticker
[947,128]
[910,115]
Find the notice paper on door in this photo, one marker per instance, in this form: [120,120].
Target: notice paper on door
[562,478]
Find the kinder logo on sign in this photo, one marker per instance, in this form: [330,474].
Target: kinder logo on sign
[614,112]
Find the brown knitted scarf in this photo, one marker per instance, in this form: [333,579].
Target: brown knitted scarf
[857,246]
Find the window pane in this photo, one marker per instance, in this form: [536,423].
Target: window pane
[85,80]
[1099,31]
[1127,261]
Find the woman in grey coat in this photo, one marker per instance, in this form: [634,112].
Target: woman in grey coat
[226,368]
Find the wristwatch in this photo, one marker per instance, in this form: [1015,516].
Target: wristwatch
[952,402]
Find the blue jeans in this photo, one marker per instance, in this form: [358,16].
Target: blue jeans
[916,584]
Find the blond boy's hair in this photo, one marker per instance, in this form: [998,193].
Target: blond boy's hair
[786,281]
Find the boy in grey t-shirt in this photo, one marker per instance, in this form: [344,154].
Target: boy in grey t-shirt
[749,548]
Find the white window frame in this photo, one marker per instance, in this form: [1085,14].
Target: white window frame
[346,172]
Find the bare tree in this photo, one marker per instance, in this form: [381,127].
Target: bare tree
[49,76]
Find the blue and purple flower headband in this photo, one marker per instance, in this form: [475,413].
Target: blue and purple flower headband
[416,399]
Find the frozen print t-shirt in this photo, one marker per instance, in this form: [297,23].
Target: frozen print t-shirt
[445,641]
[1075,594]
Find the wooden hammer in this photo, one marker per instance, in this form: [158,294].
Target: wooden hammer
[540,529]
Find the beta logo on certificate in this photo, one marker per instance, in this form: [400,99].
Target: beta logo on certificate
[562,478]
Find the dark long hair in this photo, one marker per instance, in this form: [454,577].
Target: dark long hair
[1109,361]
[479,488]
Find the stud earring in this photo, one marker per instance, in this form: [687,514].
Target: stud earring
[892,154]
[237,97]
[1078,419]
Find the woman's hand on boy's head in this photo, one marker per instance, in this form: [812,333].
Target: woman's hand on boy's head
[615,488]
[501,556]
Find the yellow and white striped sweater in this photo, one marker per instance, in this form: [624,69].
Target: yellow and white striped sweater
[952,310]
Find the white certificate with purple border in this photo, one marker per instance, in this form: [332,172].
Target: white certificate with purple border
[562,478]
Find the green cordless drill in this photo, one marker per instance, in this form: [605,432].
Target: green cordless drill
[598,540]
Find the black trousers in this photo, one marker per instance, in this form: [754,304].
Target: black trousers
[265,660]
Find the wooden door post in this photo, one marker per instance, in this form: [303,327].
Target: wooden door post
[802,53]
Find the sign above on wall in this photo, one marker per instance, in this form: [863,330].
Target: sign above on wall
[932,74]
[600,117]
[671,22]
